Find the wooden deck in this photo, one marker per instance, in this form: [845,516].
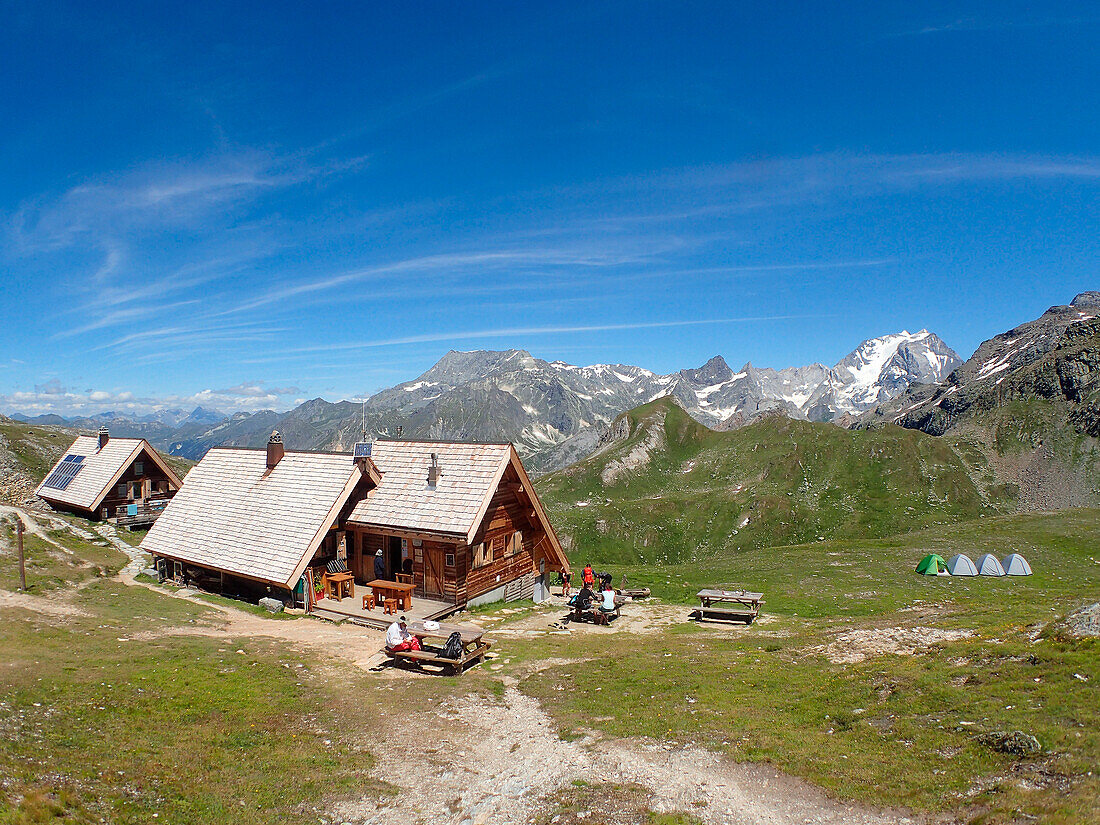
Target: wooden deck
[351,608]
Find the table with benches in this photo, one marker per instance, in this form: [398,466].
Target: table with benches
[474,647]
[401,592]
[728,605]
[596,614]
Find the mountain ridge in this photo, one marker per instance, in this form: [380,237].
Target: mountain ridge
[552,410]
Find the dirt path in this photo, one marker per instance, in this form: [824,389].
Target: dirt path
[31,525]
[501,762]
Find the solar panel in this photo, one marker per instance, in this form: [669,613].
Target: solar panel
[362,449]
[66,471]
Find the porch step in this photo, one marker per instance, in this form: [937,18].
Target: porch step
[361,621]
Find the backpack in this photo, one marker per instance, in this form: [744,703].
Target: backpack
[453,648]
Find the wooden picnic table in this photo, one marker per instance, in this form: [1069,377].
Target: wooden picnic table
[741,605]
[595,613]
[383,589]
[339,585]
[474,647]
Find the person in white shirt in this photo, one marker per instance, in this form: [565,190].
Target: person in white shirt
[608,600]
[399,638]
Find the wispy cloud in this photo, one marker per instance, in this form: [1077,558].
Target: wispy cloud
[990,24]
[516,332]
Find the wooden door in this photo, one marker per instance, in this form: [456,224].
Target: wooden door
[433,570]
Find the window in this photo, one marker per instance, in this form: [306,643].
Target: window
[139,468]
[515,543]
[121,490]
[449,559]
[482,553]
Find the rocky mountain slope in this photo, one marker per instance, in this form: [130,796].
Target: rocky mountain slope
[554,411]
[663,488]
[1031,396]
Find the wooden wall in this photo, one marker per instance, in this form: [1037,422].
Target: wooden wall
[509,511]
[151,472]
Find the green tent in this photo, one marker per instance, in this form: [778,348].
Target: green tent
[932,565]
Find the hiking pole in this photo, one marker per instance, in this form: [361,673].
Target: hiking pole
[22,561]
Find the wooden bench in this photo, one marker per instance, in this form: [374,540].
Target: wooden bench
[596,614]
[452,666]
[728,605]
[474,647]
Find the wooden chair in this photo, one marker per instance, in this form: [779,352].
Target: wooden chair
[368,602]
[389,606]
[405,578]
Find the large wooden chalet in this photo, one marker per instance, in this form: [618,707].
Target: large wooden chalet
[462,520]
[123,480]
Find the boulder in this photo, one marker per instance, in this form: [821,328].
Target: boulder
[1016,743]
[272,605]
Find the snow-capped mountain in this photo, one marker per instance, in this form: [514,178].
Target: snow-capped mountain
[543,405]
[554,411]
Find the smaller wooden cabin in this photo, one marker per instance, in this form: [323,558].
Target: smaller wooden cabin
[462,518]
[123,480]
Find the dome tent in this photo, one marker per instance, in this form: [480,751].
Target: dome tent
[1016,565]
[988,565]
[932,565]
[961,565]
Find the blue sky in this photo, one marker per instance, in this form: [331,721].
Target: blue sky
[244,205]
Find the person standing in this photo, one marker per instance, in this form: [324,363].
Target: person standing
[566,583]
[379,566]
[589,576]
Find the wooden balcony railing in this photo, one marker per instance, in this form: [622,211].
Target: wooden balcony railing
[140,512]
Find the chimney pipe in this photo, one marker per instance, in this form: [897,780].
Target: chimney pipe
[275,450]
[434,471]
[103,438]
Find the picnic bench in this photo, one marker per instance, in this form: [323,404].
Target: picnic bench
[728,605]
[401,591]
[596,614]
[474,647]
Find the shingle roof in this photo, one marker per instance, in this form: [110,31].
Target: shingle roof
[404,501]
[98,471]
[232,514]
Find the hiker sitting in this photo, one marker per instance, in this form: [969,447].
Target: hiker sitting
[584,599]
[398,637]
[607,601]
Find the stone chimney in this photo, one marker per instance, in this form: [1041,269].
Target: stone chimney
[102,438]
[434,471]
[275,449]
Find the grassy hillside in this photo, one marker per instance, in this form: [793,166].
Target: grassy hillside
[669,490]
[868,679]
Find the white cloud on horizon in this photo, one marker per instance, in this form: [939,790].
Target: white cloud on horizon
[54,398]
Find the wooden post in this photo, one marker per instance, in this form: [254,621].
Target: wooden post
[22,560]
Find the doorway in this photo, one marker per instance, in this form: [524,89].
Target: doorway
[393,558]
[433,570]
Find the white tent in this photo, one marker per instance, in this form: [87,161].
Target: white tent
[961,565]
[988,565]
[1016,565]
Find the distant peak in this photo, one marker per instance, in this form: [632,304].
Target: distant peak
[1086,299]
